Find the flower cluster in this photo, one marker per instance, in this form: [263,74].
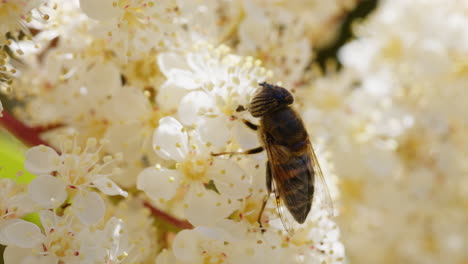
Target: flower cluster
[394,121]
[130,99]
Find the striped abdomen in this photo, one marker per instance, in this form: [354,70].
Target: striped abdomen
[294,180]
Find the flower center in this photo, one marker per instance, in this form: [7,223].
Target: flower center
[61,244]
[195,168]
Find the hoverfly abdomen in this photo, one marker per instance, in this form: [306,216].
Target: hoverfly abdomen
[298,187]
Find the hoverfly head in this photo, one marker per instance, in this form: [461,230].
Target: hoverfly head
[269,99]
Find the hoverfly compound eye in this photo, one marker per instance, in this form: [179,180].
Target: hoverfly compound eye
[269,99]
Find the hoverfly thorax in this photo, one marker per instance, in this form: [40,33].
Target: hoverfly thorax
[269,99]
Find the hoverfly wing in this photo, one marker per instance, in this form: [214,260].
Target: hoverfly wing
[292,183]
[287,220]
[322,199]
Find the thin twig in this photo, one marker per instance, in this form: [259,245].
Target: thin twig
[25,134]
[182,224]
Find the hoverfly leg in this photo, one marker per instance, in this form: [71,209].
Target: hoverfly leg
[240,108]
[267,196]
[250,124]
[247,152]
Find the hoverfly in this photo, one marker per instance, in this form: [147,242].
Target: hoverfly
[292,171]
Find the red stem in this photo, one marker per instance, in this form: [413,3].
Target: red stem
[182,224]
[42,129]
[25,134]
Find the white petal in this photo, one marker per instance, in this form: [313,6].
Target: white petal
[205,207]
[170,141]
[114,230]
[48,191]
[213,233]
[109,187]
[103,79]
[48,220]
[245,137]
[159,183]
[215,131]
[193,105]
[186,246]
[41,159]
[22,202]
[182,78]
[170,60]
[3,223]
[15,255]
[169,96]
[23,234]
[99,10]
[166,257]
[229,178]
[89,207]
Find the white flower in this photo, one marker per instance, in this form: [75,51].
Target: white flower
[206,86]
[139,229]
[58,240]
[109,245]
[231,242]
[64,240]
[14,204]
[132,28]
[195,168]
[13,16]
[69,175]
[276,37]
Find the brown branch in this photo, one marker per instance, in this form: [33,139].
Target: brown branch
[46,128]
[182,224]
[25,134]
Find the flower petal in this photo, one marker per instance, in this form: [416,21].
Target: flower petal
[193,105]
[102,80]
[89,207]
[182,78]
[215,131]
[109,187]
[170,141]
[229,178]
[13,255]
[166,257]
[48,220]
[170,60]
[205,207]
[48,191]
[245,137]
[23,234]
[159,183]
[186,246]
[41,159]
[99,10]
[169,96]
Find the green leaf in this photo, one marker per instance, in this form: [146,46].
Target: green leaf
[33,218]
[12,159]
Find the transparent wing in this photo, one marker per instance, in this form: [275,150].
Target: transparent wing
[280,173]
[322,199]
[288,221]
